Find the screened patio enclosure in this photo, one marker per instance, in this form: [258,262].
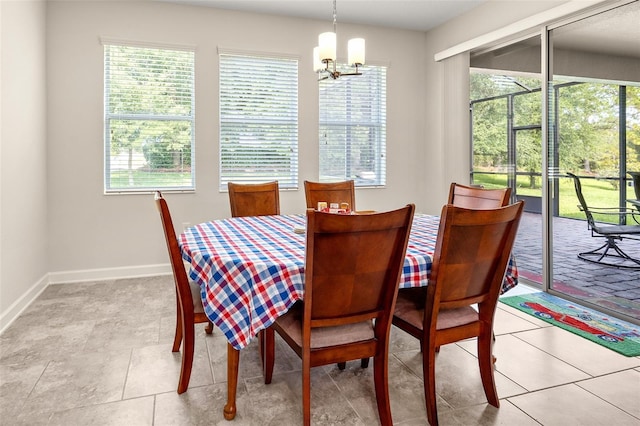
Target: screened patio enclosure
[564,100]
[507,140]
[507,151]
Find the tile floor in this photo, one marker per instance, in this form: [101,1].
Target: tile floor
[99,353]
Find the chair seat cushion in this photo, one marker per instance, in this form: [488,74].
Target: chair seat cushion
[291,324]
[196,298]
[411,310]
[617,229]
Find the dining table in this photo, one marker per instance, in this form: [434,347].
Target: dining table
[251,271]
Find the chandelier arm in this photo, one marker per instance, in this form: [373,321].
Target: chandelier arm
[334,73]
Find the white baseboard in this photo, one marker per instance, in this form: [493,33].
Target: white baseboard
[17,307]
[10,314]
[108,273]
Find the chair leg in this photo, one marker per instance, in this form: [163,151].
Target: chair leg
[429,370]
[381,382]
[209,328]
[177,338]
[266,339]
[485,362]
[493,358]
[187,357]
[364,363]
[596,256]
[306,390]
[624,255]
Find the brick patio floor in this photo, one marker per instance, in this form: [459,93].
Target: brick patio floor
[617,289]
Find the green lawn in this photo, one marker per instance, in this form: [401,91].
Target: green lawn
[597,193]
[147,179]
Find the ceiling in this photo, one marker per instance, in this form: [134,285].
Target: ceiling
[615,32]
[613,36]
[420,15]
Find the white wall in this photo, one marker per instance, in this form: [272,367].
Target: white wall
[90,230]
[449,160]
[23,166]
[55,219]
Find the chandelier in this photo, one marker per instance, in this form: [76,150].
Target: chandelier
[324,55]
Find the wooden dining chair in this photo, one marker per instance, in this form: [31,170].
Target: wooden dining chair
[334,192]
[471,197]
[189,303]
[477,197]
[352,271]
[331,192]
[254,199]
[472,252]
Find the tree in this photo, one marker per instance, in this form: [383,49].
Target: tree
[587,125]
[490,122]
[149,101]
[633,128]
[587,128]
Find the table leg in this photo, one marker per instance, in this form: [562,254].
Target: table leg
[233,360]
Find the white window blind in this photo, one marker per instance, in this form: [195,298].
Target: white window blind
[258,120]
[353,128]
[149,119]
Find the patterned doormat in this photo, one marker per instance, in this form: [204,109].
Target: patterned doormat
[620,336]
[590,294]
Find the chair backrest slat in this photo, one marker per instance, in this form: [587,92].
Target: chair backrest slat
[472,253]
[353,265]
[330,192]
[259,199]
[583,203]
[478,198]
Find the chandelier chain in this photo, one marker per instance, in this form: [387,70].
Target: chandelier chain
[330,63]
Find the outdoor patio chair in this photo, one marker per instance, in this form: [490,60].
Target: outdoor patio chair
[635,177]
[609,253]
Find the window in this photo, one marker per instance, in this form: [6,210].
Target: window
[149,119]
[258,120]
[353,128]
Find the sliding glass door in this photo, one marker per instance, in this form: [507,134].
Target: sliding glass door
[594,134]
[566,100]
[506,138]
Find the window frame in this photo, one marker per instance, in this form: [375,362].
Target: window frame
[374,76]
[260,130]
[110,117]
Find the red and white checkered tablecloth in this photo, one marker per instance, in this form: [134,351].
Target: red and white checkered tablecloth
[251,269]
